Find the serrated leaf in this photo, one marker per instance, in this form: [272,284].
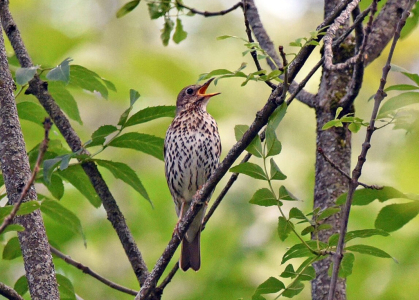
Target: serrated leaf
[273,146]
[12,249]
[250,169]
[125,173]
[350,235]
[328,212]
[128,7]
[394,216]
[13,227]
[288,272]
[284,228]
[293,289]
[264,197]
[124,116]
[401,87]
[179,34]
[295,213]
[398,102]
[284,194]
[332,123]
[366,196]
[24,75]
[87,80]
[31,112]
[133,96]
[277,116]
[61,72]
[271,285]
[65,100]
[165,32]
[146,143]
[255,147]
[151,113]
[59,213]
[65,288]
[346,265]
[370,250]
[99,136]
[276,173]
[75,175]
[21,285]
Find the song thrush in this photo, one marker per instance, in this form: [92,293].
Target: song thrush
[192,150]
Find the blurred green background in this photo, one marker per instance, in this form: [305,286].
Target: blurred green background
[240,247]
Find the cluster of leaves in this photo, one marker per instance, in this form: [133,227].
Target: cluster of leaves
[396,110]
[60,164]
[159,9]
[390,218]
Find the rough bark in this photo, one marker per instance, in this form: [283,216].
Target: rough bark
[16,172]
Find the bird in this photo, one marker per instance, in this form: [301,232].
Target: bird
[192,149]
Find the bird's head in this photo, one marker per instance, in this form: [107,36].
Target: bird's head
[194,96]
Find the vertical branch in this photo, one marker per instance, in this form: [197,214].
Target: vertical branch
[16,173]
[356,173]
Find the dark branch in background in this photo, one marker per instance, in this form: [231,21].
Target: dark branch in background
[88,271]
[207,13]
[356,173]
[42,149]
[9,293]
[39,89]
[202,195]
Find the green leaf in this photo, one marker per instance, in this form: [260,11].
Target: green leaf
[24,75]
[151,113]
[394,216]
[295,213]
[13,227]
[273,146]
[328,212]
[307,230]
[99,136]
[109,85]
[65,288]
[412,76]
[141,142]
[87,80]
[133,96]
[156,9]
[62,215]
[128,7]
[338,111]
[288,272]
[277,116]
[284,228]
[366,196]
[61,72]
[126,174]
[255,147]
[271,285]
[65,100]
[179,34]
[21,286]
[250,169]
[398,102]
[24,209]
[370,250]
[56,187]
[76,176]
[346,265]
[401,87]
[165,32]
[350,235]
[284,194]
[276,173]
[354,127]
[308,274]
[12,249]
[49,167]
[301,250]
[411,22]
[293,289]
[332,123]
[264,197]
[31,112]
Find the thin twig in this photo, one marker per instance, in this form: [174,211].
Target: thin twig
[207,13]
[42,149]
[9,293]
[356,173]
[88,271]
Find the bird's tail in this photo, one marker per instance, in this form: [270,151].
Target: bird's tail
[191,253]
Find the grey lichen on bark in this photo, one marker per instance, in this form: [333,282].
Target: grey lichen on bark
[37,258]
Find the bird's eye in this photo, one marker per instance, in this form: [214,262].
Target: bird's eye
[189,91]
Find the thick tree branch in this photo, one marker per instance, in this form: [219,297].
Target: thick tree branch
[90,272]
[378,98]
[9,293]
[16,173]
[42,149]
[39,89]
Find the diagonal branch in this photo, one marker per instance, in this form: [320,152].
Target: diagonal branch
[207,13]
[9,293]
[39,89]
[356,173]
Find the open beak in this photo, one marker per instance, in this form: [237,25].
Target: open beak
[202,90]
